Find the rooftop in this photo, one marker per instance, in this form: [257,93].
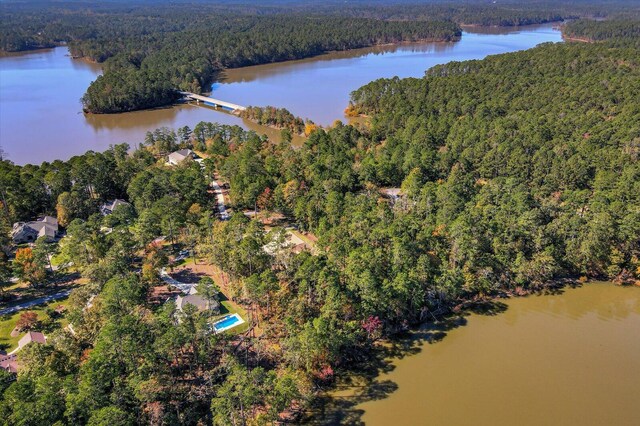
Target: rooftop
[30,337]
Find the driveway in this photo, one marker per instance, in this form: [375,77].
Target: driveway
[183,287]
[34,302]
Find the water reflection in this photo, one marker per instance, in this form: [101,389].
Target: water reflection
[319,88]
[600,304]
[569,358]
[249,74]
[473,29]
[146,120]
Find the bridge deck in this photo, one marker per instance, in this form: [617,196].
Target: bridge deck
[213,101]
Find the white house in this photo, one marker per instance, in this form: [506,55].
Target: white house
[178,157]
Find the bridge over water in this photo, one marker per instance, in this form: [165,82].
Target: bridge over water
[213,102]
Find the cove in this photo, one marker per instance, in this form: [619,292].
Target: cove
[571,358]
[41,117]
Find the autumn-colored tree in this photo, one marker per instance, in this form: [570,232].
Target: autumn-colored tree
[309,127]
[351,111]
[27,321]
[62,210]
[26,267]
[156,256]
[150,274]
[72,205]
[373,326]
[264,199]
[290,193]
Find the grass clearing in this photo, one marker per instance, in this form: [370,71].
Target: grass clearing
[8,323]
[228,307]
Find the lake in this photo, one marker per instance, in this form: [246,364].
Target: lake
[567,359]
[41,117]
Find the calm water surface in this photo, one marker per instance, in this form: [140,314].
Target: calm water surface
[319,88]
[568,359]
[41,118]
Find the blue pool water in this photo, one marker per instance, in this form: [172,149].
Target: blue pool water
[226,322]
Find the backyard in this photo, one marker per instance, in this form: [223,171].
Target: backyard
[8,323]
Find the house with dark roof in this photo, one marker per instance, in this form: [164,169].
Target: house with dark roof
[108,207]
[179,156]
[198,302]
[28,232]
[9,363]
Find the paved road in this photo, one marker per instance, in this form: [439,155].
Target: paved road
[34,302]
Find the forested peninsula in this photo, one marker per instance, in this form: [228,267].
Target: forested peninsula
[189,60]
[150,51]
[481,179]
[621,31]
[149,54]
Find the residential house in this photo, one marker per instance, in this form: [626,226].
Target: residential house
[31,337]
[291,242]
[198,301]
[9,363]
[28,232]
[179,156]
[392,194]
[108,207]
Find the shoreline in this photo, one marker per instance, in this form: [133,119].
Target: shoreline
[510,26]
[454,39]
[577,39]
[360,385]
[122,125]
[360,374]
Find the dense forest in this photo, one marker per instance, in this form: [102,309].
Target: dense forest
[620,32]
[145,73]
[514,172]
[149,51]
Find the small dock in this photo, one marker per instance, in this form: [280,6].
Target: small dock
[216,103]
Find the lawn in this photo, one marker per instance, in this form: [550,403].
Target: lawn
[184,262]
[15,286]
[228,307]
[8,323]
[56,259]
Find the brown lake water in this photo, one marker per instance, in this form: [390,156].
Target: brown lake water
[41,117]
[566,359]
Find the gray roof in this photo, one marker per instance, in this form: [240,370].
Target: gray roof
[196,300]
[180,155]
[110,206]
[46,226]
[192,299]
[9,363]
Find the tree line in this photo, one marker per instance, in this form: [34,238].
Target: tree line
[619,31]
[279,118]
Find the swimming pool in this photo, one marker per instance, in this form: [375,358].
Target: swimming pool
[227,322]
